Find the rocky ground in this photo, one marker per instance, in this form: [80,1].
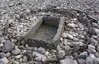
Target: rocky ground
[79,43]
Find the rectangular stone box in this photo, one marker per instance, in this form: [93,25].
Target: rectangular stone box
[46,31]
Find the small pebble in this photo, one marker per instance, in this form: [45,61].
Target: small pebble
[25,59]
[96,30]
[81,61]
[64,35]
[60,54]
[41,50]
[67,61]
[16,51]
[16,62]
[8,54]
[72,25]
[46,53]
[90,47]
[18,56]
[83,55]
[70,36]
[8,46]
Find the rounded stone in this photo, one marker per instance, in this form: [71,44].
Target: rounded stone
[18,56]
[64,35]
[2,55]
[83,55]
[92,56]
[41,50]
[5,60]
[61,39]
[8,54]
[40,57]
[60,54]
[25,59]
[92,51]
[46,53]
[90,47]
[72,25]
[94,24]
[89,60]
[70,36]
[96,30]
[1,45]
[81,61]
[75,62]
[16,62]
[1,62]
[16,51]
[8,46]
[67,61]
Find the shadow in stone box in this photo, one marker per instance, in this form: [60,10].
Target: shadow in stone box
[46,32]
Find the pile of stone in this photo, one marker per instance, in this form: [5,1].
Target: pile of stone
[79,43]
[83,40]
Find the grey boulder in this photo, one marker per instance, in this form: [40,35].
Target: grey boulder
[8,46]
[89,60]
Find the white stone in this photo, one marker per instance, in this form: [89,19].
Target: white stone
[8,54]
[96,30]
[90,47]
[70,36]
[61,54]
[67,47]
[18,56]
[1,44]
[46,53]
[59,48]
[75,19]
[67,61]
[5,60]
[72,25]
[25,58]
[16,62]
[78,43]
[24,51]
[61,39]
[81,61]
[84,53]
[94,24]
[64,35]
[16,51]
[39,57]
[41,50]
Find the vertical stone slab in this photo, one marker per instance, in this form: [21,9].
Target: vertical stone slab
[60,30]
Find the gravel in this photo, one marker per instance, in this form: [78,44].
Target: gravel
[78,43]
